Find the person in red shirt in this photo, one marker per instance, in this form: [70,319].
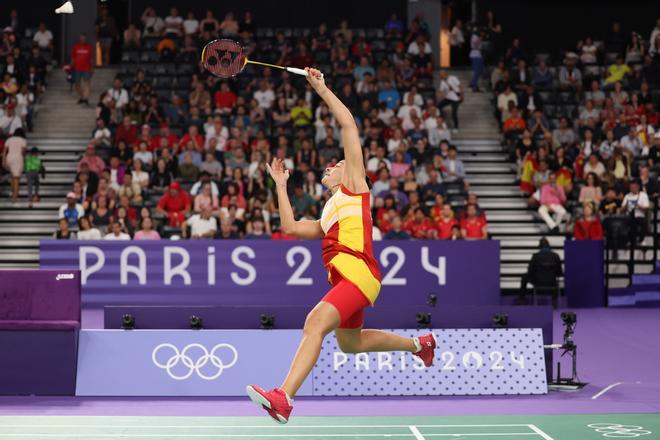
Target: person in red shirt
[81,64]
[474,227]
[419,226]
[194,136]
[446,222]
[171,140]
[127,132]
[224,99]
[588,227]
[175,204]
[438,207]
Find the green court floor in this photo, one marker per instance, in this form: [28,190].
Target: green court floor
[555,427]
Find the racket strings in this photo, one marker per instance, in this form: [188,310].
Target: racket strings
[223,58]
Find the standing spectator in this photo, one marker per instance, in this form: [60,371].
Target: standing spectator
[81,64]
[476,59]
[552,200]
[635,204]
[106,32]
[175,204]
[146,231]
[450,94]
[71,210]
[191,24]
[588,227]
[33,170]
[474,226]
[457,44]
[63,232]
[12,160]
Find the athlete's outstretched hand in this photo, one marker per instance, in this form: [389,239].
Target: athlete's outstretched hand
[277,171]
[315,78]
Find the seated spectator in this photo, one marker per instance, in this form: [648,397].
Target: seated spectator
[146,231]
[175,204]
[474,227]
[86,231]
[591,191]
[71,210]
[43,38]
[419,225]
[514,125]
[211,166]
[610,204]
[127,132]
[93,162]
[570,77]
[446,222]
[102,135]
[143,155]
[63,232]
[542,76]
[301,202]
[503,101]
[258,230]
[379,161]
[188,171]
[116,232]
[631,143]
[132,37]
[396,232]
[588,51]
[636,204]
[564,134]
[140,176]
[617,71]
[594,166]
[225,99]
[588,227]
[161,177]
[202,225]
[206,198]
[543,270]
[648,184]
[399,167]
[130,189]
[153,24]
[389,95]
[552,200]
[454,168]
[227,230]
[433,186]
[301,114]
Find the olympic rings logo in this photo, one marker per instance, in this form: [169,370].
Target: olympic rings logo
[615,430]
[190,366]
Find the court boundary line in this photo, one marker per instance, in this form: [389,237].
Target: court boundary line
[418,435]
[507,425]
[540,432]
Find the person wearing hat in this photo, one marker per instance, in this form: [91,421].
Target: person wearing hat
[175,205]
[33,169]
[71,210]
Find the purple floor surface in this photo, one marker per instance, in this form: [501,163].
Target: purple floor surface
[615,346]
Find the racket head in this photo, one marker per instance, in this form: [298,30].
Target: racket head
[223,58]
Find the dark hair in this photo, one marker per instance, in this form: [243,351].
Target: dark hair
[544,243]
[19,132]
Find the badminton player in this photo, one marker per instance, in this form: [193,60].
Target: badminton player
[345,227]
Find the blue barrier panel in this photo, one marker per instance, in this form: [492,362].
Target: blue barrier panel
[250,272]
[584,274]
[222,362]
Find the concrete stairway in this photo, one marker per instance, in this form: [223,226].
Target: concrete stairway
[62,131]
[492,177]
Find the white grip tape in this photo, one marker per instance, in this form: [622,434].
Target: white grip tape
[298,71]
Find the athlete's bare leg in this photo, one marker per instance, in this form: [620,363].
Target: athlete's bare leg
[361,341]
[323,319]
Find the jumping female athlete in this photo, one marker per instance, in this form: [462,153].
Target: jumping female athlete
[347,247]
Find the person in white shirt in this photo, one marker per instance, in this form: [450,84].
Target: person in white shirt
[173,22]
[203,179]
[190,24]
[404,112]
[43,37]
[265,95]
[374,164]
[437,130]
[450,95]
[86,231]
[631,142]
[635,204]
[218,132]
[116,233]
[202,225]
[118,93]
[503,100]
[420,45]
[417,98]
[102,135]
[153,24]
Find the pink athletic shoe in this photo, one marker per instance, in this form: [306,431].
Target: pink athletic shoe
[428,344]
[275,402]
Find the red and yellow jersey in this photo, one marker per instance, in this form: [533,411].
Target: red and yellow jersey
[348,246]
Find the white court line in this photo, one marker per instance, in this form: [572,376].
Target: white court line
[537,430]
[418,435]
[256,426]
[129,436]
[604,390]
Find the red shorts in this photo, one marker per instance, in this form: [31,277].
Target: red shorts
[349,302]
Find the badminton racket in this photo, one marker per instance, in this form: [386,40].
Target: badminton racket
[225,58]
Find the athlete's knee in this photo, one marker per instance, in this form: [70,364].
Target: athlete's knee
[349,346]
[316,324]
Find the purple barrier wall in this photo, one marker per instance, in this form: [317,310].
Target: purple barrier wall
[251,272]
[584,273]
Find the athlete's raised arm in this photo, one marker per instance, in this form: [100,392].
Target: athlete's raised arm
[305,229]
[354,173]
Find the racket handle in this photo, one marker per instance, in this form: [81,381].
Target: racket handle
[297,71]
